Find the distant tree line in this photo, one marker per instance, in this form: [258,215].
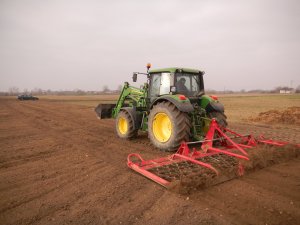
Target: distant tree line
[14,91]
[262,91]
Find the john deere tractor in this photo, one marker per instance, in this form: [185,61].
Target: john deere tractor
[171,106]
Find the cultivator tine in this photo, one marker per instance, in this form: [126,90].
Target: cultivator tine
[195,161]
[153,169]
[139,167]
[209,159]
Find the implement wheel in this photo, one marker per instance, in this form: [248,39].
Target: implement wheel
[168,127]
[124,125]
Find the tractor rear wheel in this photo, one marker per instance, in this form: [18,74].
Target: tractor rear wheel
[124,126]
[168,127]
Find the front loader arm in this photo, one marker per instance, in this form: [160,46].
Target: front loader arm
[135,96]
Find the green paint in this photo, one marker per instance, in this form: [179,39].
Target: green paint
[177,98]
[132,96]
[205,99]
[139,98]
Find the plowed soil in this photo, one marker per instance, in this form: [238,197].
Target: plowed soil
[290,115]
[60,165]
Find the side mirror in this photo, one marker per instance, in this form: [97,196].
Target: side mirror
[134,77]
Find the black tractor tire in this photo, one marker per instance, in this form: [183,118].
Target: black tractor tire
[220,118]
[178,126]
[124,125]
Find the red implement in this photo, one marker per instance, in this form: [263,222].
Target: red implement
[216,148]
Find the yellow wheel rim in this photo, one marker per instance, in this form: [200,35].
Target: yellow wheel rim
[162,127]
[122,125]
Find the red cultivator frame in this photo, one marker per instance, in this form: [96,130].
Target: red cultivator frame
[207,160]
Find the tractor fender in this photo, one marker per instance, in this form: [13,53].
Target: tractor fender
[136,118]
[214,106]
[211,105]
[183,106]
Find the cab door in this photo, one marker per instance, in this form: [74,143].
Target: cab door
[159,85]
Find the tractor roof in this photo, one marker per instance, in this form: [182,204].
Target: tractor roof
[173,70]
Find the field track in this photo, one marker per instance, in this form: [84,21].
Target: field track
[60,165]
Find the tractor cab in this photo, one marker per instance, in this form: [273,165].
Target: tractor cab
[172,81]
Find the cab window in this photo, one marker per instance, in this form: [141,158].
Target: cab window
[160,84]
[187,84]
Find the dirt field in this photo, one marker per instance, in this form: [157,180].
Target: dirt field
[60,165]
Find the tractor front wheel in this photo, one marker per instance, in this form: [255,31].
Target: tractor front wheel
[124,125]
[168,127]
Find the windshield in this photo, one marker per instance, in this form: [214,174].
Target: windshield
[188,84]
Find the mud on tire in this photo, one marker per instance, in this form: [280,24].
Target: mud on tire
[180,126]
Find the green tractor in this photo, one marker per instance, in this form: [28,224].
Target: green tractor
[171,106]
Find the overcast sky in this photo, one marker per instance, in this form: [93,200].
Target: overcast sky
[64,45]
